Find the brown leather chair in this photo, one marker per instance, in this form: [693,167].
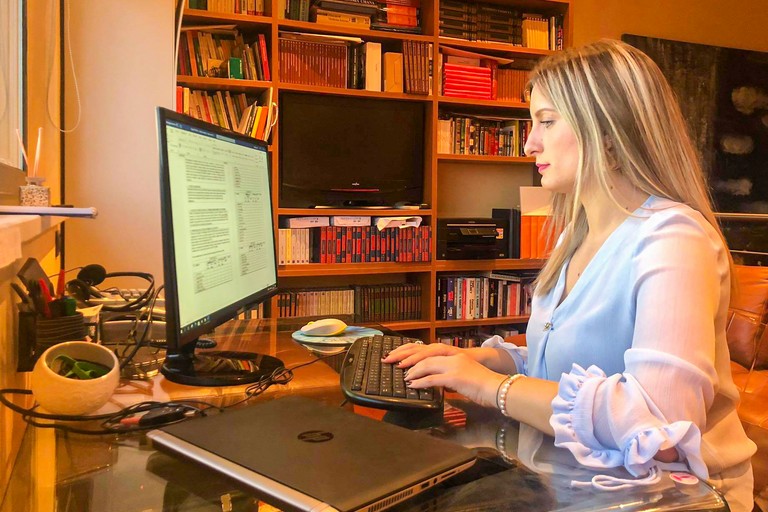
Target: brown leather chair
[748,344]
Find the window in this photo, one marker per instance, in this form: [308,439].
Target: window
[11,81]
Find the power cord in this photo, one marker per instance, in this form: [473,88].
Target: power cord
[144,415]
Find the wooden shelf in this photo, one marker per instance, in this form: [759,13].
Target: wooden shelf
[319,212]
[229,84]
[366,34]
[480,265]
[517,105]
[201,17]
[485,159]
[521,51]
[339,91]
[341,269]
[407,325]
[442,324]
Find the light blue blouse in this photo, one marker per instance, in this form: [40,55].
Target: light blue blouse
[639,349]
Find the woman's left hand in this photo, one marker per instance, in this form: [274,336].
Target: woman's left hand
[458,372]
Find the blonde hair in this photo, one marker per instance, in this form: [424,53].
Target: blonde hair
[627,120]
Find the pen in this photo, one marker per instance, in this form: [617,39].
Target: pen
[46,296]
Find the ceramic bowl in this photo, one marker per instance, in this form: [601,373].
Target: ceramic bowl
[62,395]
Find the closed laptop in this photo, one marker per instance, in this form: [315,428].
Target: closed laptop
[312,457]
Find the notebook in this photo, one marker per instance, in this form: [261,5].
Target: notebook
[308,456]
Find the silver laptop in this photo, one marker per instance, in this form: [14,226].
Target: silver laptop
[311,457]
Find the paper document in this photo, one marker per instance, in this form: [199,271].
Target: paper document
[58,211]
[397,222]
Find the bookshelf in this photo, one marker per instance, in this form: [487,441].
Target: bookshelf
[425,274]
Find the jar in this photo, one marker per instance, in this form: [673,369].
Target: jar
[34,193]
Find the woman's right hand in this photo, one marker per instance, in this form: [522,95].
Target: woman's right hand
[409,354]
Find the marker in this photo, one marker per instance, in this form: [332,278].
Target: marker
[47,299]
[60,284]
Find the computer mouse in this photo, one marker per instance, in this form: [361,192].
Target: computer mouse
[324,327]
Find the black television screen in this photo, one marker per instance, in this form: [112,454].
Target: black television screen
[340,151]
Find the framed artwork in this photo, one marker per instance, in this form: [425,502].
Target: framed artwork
[723,94]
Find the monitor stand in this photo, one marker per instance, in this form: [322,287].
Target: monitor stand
[217,367]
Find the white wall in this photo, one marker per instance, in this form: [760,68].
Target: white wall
[123,55]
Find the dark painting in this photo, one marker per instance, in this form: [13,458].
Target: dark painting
[723,93]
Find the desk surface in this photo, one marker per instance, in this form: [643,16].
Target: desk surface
[518,468]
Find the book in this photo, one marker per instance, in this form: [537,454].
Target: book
[372,66]
[367,7]
[350,220]
[307,222]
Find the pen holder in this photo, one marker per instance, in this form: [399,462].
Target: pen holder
[37,333]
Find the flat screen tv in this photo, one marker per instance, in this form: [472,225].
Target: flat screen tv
[350,152]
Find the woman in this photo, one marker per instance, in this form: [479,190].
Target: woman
[626,361]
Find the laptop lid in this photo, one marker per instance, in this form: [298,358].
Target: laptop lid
[311,457]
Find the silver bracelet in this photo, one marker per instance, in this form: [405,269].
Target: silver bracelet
[501,395]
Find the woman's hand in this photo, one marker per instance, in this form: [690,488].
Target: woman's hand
[409,354]
[458,372]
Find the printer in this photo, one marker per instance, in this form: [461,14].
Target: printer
[472,239]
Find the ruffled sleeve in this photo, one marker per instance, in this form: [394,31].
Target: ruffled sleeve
[519,354]
[630,437]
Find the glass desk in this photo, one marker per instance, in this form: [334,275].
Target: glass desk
[518,468]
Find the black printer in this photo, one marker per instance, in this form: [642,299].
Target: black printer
[472,239]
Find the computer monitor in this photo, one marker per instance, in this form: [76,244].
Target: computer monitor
[218,245]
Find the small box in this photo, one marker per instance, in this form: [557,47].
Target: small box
[393,72]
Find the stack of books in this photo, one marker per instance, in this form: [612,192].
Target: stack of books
[511,84]
[536,32]
[484,295]
[223,53]
[398,16]
[463,81]
[232,112]
[473,135]
[417,56]
[315,60]
[356,13]
[480,22]
[250,7]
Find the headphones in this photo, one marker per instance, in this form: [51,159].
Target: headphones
[83,288]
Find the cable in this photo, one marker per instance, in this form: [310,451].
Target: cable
[114,423]
[68,44]
[176,42]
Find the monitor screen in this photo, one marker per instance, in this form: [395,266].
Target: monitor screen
[218,234]
[353,151]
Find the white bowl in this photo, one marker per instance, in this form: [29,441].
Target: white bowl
[61,395]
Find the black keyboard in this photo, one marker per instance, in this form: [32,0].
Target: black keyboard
[365,380]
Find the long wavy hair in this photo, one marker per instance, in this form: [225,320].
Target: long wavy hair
[626,120]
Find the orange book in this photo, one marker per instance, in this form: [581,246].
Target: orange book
[541,247]
[525,237]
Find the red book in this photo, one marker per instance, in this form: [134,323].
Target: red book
[477,70]
[473,82]
[179,99]
[264,59]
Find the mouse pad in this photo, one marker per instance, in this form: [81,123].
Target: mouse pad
[350,334]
